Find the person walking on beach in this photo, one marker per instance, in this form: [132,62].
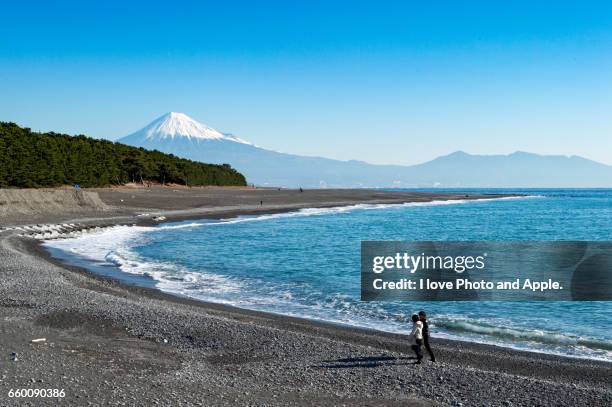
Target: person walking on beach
[416,336]
[423,319]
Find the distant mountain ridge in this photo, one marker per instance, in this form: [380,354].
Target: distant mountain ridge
[178,134]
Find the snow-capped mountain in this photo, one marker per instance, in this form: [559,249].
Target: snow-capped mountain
[179,125]
[178,134]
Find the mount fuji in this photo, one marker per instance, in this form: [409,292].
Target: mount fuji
[180,126]
[179,134]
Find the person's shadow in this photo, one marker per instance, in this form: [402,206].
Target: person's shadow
[366,361]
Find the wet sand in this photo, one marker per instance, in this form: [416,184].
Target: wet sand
[111,344]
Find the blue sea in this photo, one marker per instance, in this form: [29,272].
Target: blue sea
[306,264]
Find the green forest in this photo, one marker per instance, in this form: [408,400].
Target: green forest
[32,160]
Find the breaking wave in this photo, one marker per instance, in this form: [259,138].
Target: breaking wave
[119,247]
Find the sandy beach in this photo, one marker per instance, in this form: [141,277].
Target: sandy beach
[111,344]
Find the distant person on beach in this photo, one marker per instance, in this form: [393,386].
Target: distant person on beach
[423,319]
[260,203]
[416,336]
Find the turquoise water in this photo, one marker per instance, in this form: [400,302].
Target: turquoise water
[307,264]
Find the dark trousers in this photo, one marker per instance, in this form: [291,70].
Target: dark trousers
[418,349]
[429,351]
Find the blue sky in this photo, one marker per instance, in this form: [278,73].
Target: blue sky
[385,82]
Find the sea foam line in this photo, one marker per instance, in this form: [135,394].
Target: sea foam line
[105,245]
[91,242]
[348,208]
[172,278]
[72,231]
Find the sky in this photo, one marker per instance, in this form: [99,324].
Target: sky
[385,82]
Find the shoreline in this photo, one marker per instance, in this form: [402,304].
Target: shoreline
[64,261]
[379,353]
[152,292]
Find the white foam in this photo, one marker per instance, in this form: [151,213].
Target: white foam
[113,243]
[347,208]
[113,246]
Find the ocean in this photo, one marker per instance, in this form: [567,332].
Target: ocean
[306,264]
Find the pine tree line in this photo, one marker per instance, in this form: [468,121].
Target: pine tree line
[31,160]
